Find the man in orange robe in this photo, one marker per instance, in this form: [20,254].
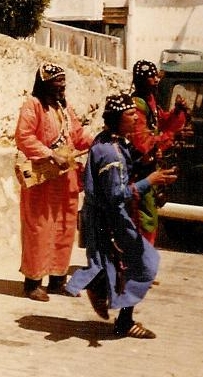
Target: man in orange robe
[48,211]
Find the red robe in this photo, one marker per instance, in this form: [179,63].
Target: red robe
[168,124]
[144,139]
[48,211]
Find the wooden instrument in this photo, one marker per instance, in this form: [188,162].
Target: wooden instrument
[30,173]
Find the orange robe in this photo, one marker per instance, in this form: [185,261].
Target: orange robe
[48,211]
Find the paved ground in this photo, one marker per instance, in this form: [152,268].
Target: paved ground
[64,337]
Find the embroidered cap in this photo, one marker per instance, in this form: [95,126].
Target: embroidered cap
[50,70]
[144,69]
[118,103]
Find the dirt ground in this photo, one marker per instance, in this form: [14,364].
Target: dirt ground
[64,337]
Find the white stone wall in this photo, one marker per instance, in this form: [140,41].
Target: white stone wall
[9,203]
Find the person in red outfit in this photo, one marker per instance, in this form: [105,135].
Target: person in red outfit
[154,133]
[48,211]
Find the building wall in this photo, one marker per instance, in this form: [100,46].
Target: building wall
[152,25]
[154,28]
[153,3]
[75,10]
[116,3]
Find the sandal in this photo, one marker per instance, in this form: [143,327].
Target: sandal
[99,304]
[135,331]
[37,294]
[138,331]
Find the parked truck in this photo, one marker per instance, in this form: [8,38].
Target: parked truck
[182,215]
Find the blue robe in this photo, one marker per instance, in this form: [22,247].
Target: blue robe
[113,243]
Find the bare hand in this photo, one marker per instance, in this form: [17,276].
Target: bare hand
[162,177]
[60,160]
[180,104]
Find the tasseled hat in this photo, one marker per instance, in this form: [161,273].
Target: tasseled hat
[50,70]
[144,69]
[118,103]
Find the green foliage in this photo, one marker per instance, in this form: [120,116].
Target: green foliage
[21,18]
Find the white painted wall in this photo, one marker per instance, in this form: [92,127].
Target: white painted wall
[75,9]
[116,3]
[153,3]
[152,28]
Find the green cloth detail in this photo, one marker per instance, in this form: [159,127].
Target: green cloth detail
[148,215]
[141,105]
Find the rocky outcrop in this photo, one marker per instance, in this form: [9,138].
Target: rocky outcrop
[88,82]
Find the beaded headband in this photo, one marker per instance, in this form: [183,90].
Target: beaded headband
[50,70]
[118,103]
[145,69]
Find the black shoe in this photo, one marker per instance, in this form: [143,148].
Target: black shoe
[121,329]
[98,303]
[56,284]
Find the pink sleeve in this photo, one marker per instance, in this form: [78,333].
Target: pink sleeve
[25,135]
[80,137]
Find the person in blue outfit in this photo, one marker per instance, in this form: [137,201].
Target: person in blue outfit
[121,263]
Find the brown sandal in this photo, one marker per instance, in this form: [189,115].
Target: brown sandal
[138,331]
[99,304]
[37,294]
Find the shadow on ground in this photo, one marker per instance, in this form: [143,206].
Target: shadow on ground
[61,329]
[16,288]
[11,288]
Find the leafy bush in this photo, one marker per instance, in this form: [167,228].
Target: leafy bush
[21,18]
